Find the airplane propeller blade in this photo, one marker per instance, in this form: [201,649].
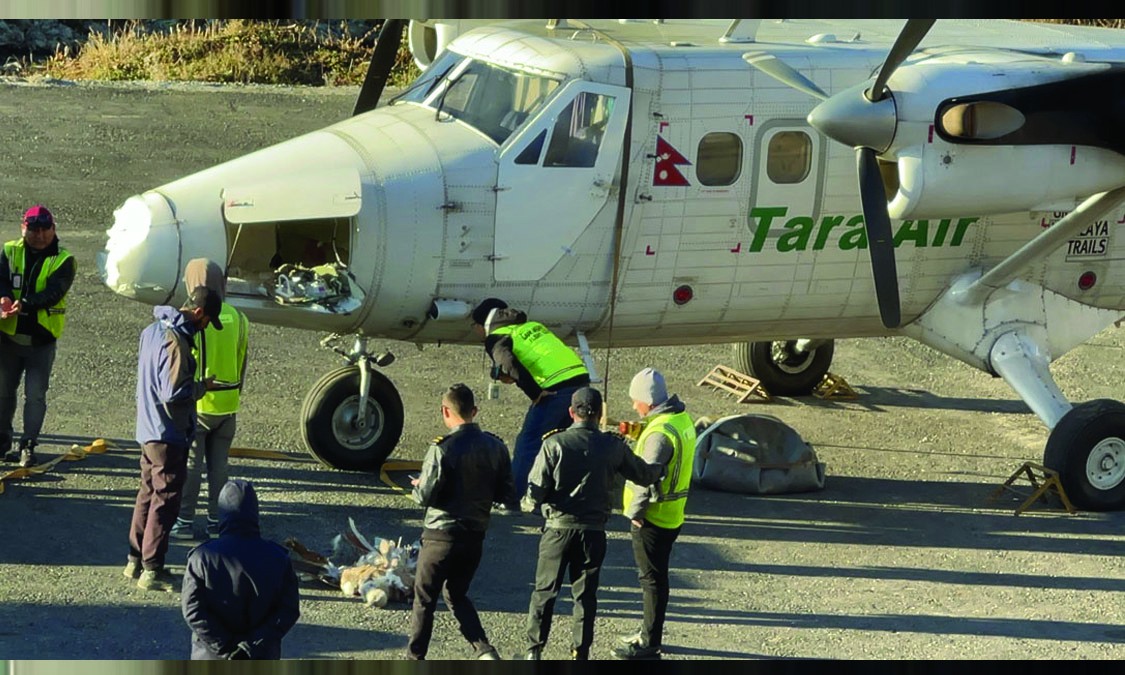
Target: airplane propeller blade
[784,73]
[912,33]
[880,241]
[382,60]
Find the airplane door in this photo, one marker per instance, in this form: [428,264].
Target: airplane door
[554,177]
[789,156]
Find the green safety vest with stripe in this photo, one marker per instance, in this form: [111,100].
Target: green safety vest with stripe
[667,508]
[225,359]
[52,318]
[547,358]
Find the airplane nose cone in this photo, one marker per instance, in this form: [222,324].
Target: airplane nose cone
[850,118]
[141,259]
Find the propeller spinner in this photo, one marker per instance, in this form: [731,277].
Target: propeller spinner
[863,117]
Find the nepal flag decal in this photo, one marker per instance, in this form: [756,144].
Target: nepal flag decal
[666,173]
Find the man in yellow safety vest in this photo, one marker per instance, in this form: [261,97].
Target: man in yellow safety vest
[222,356]
[527,354]
[657,512]
[35,276]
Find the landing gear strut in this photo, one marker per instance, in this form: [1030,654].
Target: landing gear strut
[352,418]
[786,367]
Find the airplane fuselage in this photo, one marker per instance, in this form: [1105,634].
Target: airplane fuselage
[733,218]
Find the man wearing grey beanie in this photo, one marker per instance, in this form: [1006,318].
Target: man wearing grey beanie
[656,513]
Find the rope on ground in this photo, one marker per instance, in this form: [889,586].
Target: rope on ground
[255,453]
[399,465]
[76,453]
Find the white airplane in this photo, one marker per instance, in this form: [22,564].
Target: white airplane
[686,182]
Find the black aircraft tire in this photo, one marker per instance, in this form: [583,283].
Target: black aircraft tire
[1087,448]
[328,421]
[796,375]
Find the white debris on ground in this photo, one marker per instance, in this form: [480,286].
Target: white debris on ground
[379,571]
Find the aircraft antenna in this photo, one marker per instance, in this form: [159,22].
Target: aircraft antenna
[619,223]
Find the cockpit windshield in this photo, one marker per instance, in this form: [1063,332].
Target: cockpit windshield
[494,100]
[418,90]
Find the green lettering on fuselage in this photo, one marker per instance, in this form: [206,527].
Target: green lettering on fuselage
[796,233]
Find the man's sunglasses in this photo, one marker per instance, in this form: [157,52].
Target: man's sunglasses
[39,223]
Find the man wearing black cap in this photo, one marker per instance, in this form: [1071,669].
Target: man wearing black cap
[527,354]
[35,275]
[570,483]
[166,394]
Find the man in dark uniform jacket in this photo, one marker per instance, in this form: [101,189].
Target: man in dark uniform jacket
[462,475]
[571,482]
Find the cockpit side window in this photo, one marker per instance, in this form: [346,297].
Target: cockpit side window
[577,135]
[494,100]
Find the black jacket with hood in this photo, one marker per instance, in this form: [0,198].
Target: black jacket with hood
[240,594]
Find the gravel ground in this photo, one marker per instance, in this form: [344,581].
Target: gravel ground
[901,557]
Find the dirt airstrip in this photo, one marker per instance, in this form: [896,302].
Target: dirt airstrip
[900,557]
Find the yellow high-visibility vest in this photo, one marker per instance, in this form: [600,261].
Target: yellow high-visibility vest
[225,361]
[547,358]
[667,510]
[52,318]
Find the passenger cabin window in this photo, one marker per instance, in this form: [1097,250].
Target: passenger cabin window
[494,100]
[789,157]
[577,136]
[719,160]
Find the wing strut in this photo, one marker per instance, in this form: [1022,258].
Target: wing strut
[1033,251]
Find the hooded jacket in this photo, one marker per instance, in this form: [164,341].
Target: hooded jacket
[167,387]
[240,593]
[658,450]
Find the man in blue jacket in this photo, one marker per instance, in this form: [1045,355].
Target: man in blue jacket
[166,394]
[240,593]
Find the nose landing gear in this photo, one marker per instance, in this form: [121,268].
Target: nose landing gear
[352,418]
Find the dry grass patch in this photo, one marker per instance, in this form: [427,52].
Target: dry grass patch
[236,51]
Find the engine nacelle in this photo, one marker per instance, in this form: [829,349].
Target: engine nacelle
[939,180]
[426,38]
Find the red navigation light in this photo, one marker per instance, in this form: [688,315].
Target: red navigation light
[683,295]
[1087,281]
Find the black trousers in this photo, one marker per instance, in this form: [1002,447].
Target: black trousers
[446,565]
[652,548]
[581,552]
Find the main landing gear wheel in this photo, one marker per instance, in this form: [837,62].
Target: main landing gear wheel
[782,369]
[1087,448]
[335,433]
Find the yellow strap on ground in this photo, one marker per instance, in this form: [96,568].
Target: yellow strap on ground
[76,452]
[398,465]
[255,453]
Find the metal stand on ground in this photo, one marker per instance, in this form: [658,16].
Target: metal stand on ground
[741,385]
[1044,481]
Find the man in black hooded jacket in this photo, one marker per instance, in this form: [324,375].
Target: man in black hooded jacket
[240,593]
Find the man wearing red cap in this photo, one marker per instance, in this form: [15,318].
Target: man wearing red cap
[35,275]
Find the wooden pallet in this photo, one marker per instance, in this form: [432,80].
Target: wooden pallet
[834,386]
[740,385]
[1044,481]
